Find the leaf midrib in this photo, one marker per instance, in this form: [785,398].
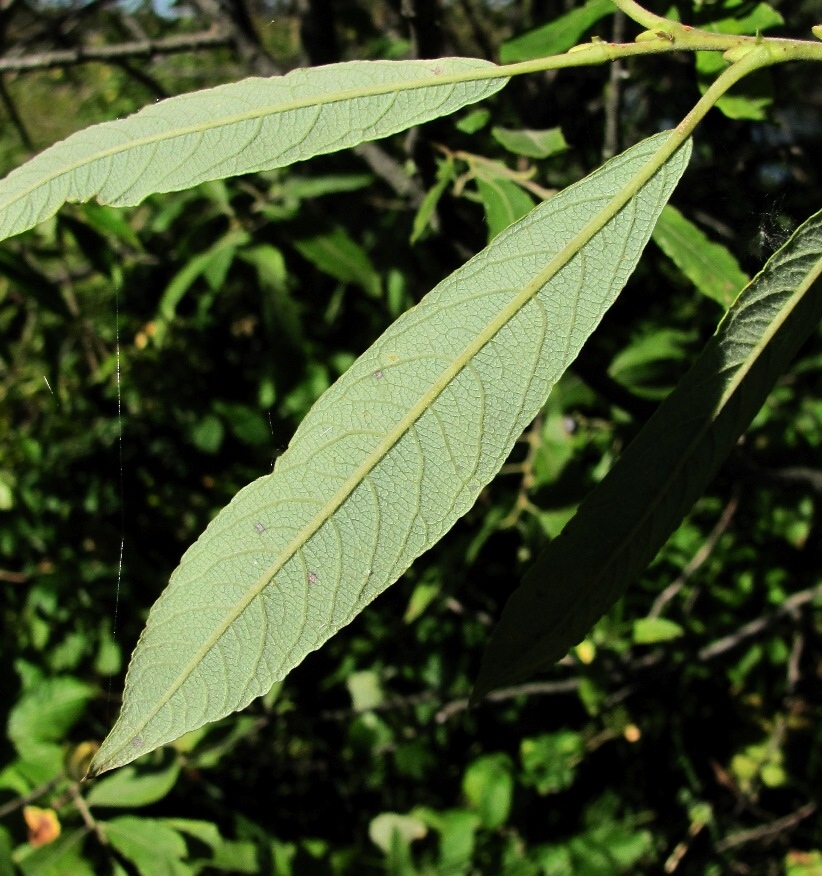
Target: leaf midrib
[592,227]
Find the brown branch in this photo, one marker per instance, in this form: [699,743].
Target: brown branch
[214,37]
[749,630]
[85,813]
[613,98]
[698,558]
[241,36]
[766,831]
[529,689]
[16,118]
[25,799]
[454,707]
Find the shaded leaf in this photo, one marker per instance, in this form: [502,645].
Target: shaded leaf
[153,847]
[627,518]
[48,709]
[504,203]
[63,857]
[474,121]
[389,458]
[651,630]
[532,144]
[446,171]
[549,761]
[253,125]
[488,784]
[128,788]
[336,254]
[557,36]
[751,99]
[708,265]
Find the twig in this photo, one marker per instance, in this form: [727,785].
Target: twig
[16,118]
[449,709]
[392,172]
[242,36]
[793,673]
[533,439]
[25,799]
[613,101]
[85,814]
[699,557]
[211,38]
[534,688]
[766,831]
[799,475]
[749,630]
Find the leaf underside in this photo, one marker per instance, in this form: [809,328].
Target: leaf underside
[244,127]
[624,522]
[387,460]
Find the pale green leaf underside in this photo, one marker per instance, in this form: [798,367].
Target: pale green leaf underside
[386,461]
[624,522]
[248,126]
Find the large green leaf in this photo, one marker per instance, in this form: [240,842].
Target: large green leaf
[247,126]
[389,458]
[627,518]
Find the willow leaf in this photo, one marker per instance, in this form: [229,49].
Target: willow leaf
[253,125]
[388,458]
[624,522]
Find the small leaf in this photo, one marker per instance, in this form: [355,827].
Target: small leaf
[445,175]
[243,127]
[504,203]
[557,36]
[488,785]
[752,98]
[389,458]
[386,825]
[422,596]
[207,434]
[217,258]
[708,265]
[127,788]
[758,18]
[336,254]
[622,524]
[549,761]
[365,690]
[63,857]
[153,847]
[532,144]
[474,121]
[651,630]
[48,709]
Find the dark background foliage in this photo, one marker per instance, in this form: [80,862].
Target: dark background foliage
[156,359]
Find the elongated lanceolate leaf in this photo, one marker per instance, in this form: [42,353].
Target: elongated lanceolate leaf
[388,459]
[623,523]
[253,125]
